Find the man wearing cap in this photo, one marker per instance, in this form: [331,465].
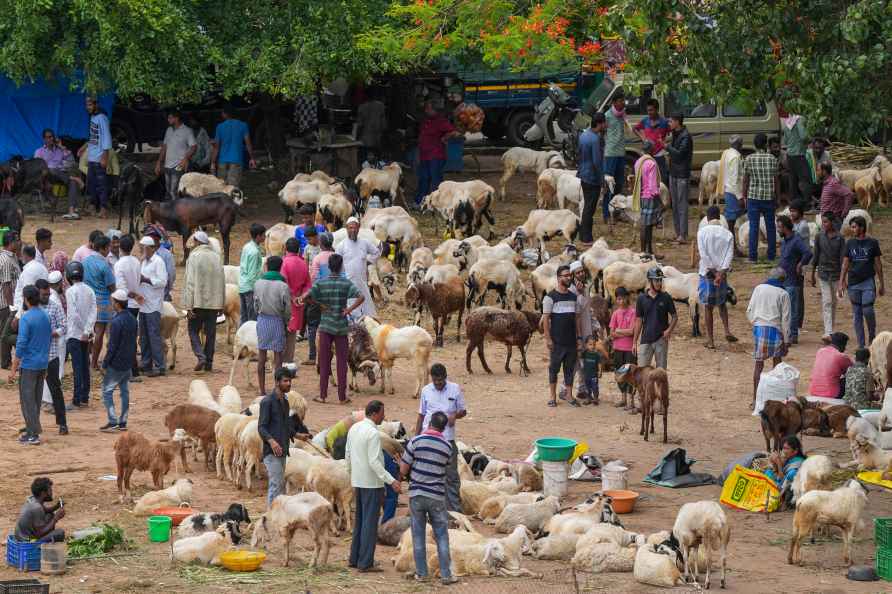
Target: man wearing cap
[118,359]
[81,314]
[716,246]
[358,254]
[56,296]
[53,309]
[204,292]
[656,319]
[307,216]
[153,280]
[157,233]
[730,183]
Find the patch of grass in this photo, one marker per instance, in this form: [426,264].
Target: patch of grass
[306,579]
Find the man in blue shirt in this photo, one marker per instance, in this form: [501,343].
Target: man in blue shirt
[98,148]
[228,148]
[32,352]
[591,174]
[795,256]
[118,362]
[307,214]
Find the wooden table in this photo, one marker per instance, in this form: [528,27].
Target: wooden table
[341,157]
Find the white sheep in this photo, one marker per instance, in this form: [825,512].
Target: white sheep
[584,518]
[473,494]
[598,257]
[200,394]
[226,432]
[467,253]
[878,363]
[603,532]
[882,163]
[196,185]
[462,204]
[317,174]
[542,225]
[250,453]
[231,273]
[494,469]
[492,557]
[206,547]
[531,515]
[496,275]
[708,190]
[371,214]
[401,231]
[244,346]
[296,193]
[335,209]
[604,557]
[558,547]
[276,236]
[297,466]
[492,507]
[631,276]
[384,182]
[546,186]
[409,342]
[287,513]
[445,252]
[329,478]
[520,159]
[422,258]
[178,493]
[841,507]
[229,400]
[702,523]
[814,474]
[655,566]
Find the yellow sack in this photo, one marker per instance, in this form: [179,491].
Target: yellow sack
[580,449]
[750,490]
[874,477]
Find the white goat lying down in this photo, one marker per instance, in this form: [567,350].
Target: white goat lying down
[172,496]
[206,547]
[493,556]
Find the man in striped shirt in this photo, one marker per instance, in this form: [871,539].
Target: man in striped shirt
[424,463]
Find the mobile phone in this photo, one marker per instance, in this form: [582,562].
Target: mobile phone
[61,503]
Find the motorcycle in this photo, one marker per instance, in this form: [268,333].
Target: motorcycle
[558,122]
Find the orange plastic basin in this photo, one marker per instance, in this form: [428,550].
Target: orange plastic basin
[623,501]
[176,514]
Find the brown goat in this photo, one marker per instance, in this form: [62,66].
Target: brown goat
[134,452]
[601,312]
[361,355]
[441,299]
[652,384]
[780,419]
[837,417]
[198,422]
[184,215]
[511,327]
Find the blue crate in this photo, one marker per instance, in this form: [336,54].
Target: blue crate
[24,556]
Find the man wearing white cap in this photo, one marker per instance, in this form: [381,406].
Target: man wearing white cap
[118,359]
[153,280]
[114,248]
[358,254]
[204,292]
[588,325]
[55,284]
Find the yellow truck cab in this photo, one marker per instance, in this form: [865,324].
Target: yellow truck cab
[710,124]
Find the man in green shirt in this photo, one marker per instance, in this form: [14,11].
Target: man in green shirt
[250,265]
[615,147]
[796,141]
[331,294]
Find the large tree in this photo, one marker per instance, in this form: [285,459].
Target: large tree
[830,60]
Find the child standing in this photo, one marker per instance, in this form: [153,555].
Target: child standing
[591,366]
[859,382]
[622,329]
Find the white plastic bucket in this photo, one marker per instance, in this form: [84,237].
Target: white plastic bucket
[614,478]
[554,478]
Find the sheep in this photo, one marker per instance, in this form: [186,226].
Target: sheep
[491,557]
[400,231]
[608,533]
[232,308]
[404,560]
[684,288]
[391,532]
[604,557]
[532,515]
[631,276]
[329,479]
[335,209]
[200,394]
[196,185]
[382,280]
[871,457]
[473,494]
[780,419]
[441,300]
[206,547]
[543,279]
[494,469]
[244,345]
[198,422]
[847,221]
[869,187]
[526,476]
[384,182]
[520,159]
[134,452]
[849,177]
[205,522]
[841,507]
[421,259]
[652,385]
[879,360]
[580,521]
[296,193]
[462,204]
[559,547]
[226,432]
[286,514]
[441,273]
[701,523]
[371,214]
[510,327]
[542,225]
[275,238]
[598,257]
[317,174]
[408,342]
[445,253]
[297,466]
[178,493]
[709,177]
[814,474]
[231,274]
[496,275]
[882,163]
[492,507]
[655,566]
[250,453]
[170,324]
[468,254]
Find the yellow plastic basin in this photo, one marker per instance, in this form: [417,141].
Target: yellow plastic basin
[242,560]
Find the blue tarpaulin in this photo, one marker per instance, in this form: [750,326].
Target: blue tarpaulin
[26,110]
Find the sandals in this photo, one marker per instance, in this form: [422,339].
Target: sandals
[319,400]
[731,338]
[552,403]
[709,346]
[345,401]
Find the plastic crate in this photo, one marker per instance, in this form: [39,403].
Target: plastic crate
[24,556]
[30,586]
[884,564]
[882,533]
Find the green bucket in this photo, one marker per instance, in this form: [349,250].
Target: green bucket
[159,528]
[555,449]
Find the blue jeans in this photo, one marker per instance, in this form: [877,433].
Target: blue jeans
[796,312]
[367,506]
[732,209]
[422,510]
[616,168]
[275,469]
[390,496]
[97,185]
[80,366]
[430,174]
[862,296]
[120,379]
[150,341]
[765,208]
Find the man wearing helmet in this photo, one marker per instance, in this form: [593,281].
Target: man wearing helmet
[81,318]
[656,319]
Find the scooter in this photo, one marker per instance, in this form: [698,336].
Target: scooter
[557,123]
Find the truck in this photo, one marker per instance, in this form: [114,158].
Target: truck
[509,98]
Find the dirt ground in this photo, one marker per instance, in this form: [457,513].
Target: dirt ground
[709,417]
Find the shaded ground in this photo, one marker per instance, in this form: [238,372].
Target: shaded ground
[709,417]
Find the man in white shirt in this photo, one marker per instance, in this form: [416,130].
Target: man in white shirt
[446,397]
[114,247]
[127,278]
[81,315]
[31,271]
[152,279]
[769,313]
[178,147]
[43,241]
[358,254]
[365,466]
[716,246]
[731,179]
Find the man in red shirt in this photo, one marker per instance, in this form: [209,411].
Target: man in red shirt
[297,276]
[432,136]
[835,197]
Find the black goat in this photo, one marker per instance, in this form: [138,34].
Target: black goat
[184,215]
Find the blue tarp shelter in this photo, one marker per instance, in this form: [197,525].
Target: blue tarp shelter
[26,110]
